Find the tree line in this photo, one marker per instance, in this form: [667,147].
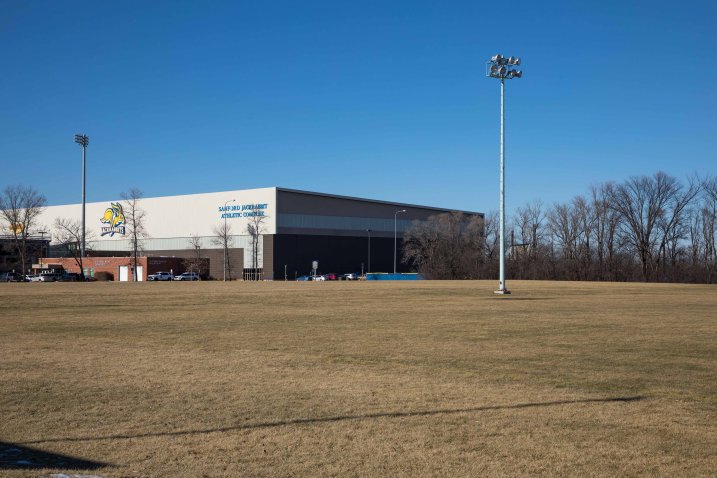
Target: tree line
[648,228]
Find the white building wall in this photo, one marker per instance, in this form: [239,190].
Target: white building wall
[174,218]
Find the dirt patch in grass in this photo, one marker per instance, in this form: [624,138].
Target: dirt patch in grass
[360,379]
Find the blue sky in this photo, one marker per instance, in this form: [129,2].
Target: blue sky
[378,99]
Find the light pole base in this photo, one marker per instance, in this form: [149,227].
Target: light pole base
[502,292]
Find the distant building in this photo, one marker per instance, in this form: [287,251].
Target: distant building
[295,228]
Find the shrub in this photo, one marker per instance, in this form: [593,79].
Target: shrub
[104,276]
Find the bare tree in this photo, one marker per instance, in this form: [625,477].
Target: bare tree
[650,207]
[223,238]
[68,233]
[571,227]
[526,252]
[255,228]
[135,222]
[708,212]
[586,223]
[194,263]
[529,221]
[710,187]
[490,243]
[605,225]
[20,207]
[695,227]
[446,246]
[565,226]
[673,227]
[491,224]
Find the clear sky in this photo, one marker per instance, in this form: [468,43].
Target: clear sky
[379,99]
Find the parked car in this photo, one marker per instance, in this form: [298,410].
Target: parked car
[187,276]
[331,276]
[303,278]
[320,278]
[161,276]
[49,277]
[11,277]
[32,278]
[70,277]
[350,276]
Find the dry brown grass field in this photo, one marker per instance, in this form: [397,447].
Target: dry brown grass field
[358,379]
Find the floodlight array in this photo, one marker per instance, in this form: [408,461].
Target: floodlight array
[499,67]
[82,139]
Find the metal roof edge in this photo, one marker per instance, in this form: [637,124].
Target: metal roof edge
[378,201]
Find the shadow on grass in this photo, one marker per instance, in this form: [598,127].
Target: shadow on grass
[17,457]
[512,297]
[341,418]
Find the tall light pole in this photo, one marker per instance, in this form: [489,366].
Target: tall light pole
[395,235]
[226,238]
[83,140]
[368,269]
[498,67]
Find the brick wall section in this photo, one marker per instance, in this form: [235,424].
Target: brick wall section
[99,264]
[169,260]
[216,260]
[149,265]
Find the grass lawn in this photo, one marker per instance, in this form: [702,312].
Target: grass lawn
[357,379]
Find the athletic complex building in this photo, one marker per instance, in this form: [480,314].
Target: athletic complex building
[294,229]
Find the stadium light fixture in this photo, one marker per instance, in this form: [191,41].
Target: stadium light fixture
[395,235]
[496,68]
[83,140]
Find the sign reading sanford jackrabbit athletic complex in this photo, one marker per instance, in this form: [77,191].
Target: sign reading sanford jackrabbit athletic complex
[243,210]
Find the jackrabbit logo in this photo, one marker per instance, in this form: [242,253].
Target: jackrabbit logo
[114,217]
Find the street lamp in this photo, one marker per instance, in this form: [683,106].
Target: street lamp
[368,269]
[500,67]
[226,238]
[395,235]
[83,140]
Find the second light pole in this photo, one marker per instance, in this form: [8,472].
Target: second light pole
[395,237]
[83,140]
